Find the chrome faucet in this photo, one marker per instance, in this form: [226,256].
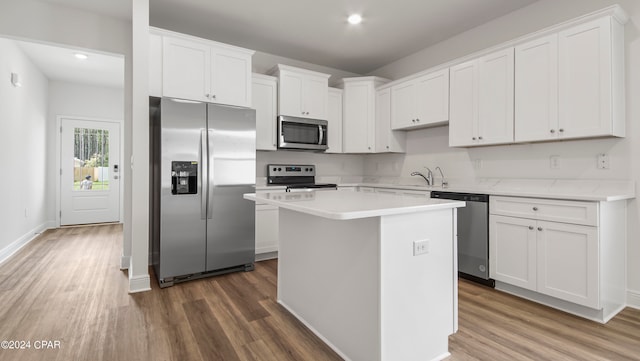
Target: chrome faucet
[444,182]
[428,178]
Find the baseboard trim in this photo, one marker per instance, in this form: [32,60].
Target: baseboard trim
[124,262]
[16,245]
[139,284]
[633,299]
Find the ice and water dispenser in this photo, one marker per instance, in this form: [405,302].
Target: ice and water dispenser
[184,177]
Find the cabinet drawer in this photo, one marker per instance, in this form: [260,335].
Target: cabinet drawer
[575,212]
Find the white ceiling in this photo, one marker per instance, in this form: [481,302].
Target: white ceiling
[58,63]
[315,31]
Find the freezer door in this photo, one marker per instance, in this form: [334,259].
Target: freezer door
[232,172]
[182,215]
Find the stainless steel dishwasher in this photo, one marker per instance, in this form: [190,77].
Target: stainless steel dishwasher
[473,235]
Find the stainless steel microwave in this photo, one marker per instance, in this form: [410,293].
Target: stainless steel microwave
[302,133]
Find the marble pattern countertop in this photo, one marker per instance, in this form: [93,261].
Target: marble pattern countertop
[351,205]
[568,189]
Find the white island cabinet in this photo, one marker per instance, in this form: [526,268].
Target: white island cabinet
[373,275]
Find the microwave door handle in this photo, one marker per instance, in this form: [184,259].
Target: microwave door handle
[321,134]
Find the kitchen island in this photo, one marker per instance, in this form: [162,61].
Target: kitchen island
[373,275]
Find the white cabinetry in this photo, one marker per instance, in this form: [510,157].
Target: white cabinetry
[421,102]
[155,65]
[207,71]
[591,84]
[569,84]
[481,96]
[266,231]
[387,140]
[572,251]
[302,93]
[264,98]
[334,136]
[359,126]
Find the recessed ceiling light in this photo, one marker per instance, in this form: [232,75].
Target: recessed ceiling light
[81,56]
[354,19]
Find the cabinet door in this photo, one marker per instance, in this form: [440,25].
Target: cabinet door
[568,266]
[432,98]
[512,251]
[387,140]
[230,78]
[359,131]
[155,65]
[290,99]
[334,140]
[186,70]
[314,97]
[495,98]
[264,102]
[536,90]
[463,109]
[266,228]
[585,80]
[403,105]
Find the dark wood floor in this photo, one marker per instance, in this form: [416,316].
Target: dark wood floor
[66,286]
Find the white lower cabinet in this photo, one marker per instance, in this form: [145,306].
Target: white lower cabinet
[572,251]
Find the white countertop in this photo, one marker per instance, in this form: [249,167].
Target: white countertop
[351,205]
[569,189]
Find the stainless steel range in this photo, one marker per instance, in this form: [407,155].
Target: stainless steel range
[296,177]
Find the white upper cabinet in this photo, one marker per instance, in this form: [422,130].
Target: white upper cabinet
[334,140]
[155,65]
[387,140]
[421,102]
[481,100]
[536,87]
[264,98]
[302,93]
[207,71]
[591,84]
[359,123]
[569,84]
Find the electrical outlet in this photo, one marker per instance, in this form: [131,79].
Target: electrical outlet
[554,162]
[420,247]
[603,161]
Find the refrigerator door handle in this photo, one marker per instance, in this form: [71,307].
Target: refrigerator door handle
[204,164]
[210,174]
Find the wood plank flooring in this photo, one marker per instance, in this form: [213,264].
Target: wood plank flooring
[66,286]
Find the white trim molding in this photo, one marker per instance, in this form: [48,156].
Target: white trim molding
[124,262]
[25,239]
[633,299]
[139,283]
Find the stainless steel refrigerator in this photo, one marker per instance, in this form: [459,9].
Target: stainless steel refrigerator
[203,159]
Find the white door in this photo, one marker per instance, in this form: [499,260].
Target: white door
[463,109]
[495,98]
[89,171]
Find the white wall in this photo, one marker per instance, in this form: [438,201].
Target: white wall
[61,25]
[23,141]
[69,99]
[429,147]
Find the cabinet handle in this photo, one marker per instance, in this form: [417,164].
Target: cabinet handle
[531,228]
[561,130]
[387,147]
[474,138]
[213,96]
[552,131]
[418,120]
[535,208]
[413,120]
[208,96]
[539,228]
[479,138]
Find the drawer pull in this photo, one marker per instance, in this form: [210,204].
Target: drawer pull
[539,228]
[531,228]
[535,208]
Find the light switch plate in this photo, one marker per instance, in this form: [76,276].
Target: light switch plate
[420,247]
